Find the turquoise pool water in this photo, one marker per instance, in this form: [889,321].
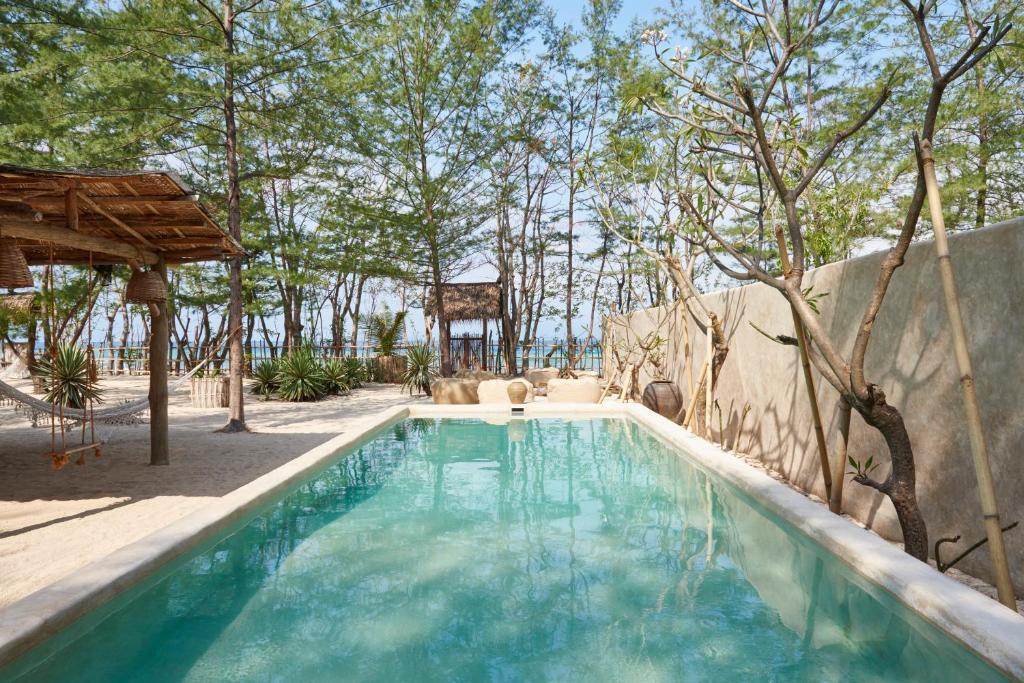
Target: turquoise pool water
[540,550]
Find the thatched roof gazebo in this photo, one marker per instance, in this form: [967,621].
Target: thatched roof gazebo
[466,302]
[146,219]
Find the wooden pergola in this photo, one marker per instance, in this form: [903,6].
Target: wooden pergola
[98,217]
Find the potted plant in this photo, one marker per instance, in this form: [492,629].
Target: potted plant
[386,330]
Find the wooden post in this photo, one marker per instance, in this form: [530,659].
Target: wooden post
[158,348]
[483,348]
[835,499]
[805,362]
[979,449]
[708,393]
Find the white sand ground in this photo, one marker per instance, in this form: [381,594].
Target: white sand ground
[55,522]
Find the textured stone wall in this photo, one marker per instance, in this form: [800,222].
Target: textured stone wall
[911,358]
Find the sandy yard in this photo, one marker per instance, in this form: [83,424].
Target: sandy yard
[55,522]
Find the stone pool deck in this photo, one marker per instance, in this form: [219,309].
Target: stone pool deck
[54,523]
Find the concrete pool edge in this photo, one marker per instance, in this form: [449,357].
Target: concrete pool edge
[964,615]
[43,614]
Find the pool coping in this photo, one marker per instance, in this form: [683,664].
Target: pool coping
[983,625]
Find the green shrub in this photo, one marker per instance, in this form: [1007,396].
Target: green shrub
[301,377]
[355,372]
[336,373]
[265,378]
[421,369]
[66,377]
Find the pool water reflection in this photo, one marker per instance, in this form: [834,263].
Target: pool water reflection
[544,549]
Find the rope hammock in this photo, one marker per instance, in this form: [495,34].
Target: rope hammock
[129,413]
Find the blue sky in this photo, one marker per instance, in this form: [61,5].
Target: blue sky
[570,11]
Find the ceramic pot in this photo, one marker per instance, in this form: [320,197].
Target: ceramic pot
[663,397]
[517,392]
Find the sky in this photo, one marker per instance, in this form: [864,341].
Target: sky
[570,11]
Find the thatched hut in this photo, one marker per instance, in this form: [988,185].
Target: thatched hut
[466,302]
[148,219]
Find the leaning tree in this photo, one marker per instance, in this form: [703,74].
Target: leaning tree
[734,100]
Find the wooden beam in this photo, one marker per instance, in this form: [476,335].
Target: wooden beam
[43,232]
[117,221]
[156,199]
[145,227]
[186,241]
[71,208]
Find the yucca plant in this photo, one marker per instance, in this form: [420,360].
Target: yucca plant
[265,378]
[301,377]
[66,377]
[355,372]
[336,373]
[421,369]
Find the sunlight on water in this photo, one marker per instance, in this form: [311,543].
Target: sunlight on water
[457,550]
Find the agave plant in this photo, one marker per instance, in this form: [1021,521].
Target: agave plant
[336,373]
[385,330]
[355,372]
[66,377]
[301,377]
[265,378]
[421,369]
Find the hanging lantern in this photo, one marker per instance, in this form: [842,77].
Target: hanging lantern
[146,287]
[14,270]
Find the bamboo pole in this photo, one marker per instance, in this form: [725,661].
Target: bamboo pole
[708,398]
[805,362]
[835,500]
[979,449]
[687,352]
[691,409]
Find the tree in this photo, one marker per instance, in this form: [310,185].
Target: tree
[742,123]
[429,72]
[521,178]
[582,88]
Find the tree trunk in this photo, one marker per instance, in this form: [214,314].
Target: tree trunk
[236,418]
[443,337]
[570,349]
[900,485]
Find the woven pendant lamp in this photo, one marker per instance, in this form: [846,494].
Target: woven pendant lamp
[14,270]
[146,287]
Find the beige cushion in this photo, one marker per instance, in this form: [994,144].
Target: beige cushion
[496,390]
[479,375]
[452,390]
[585,390]
[539,377]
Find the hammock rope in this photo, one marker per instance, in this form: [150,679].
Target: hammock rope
[128,413]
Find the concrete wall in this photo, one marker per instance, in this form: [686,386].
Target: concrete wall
[910,357]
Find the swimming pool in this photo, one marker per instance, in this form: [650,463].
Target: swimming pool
[539,549]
